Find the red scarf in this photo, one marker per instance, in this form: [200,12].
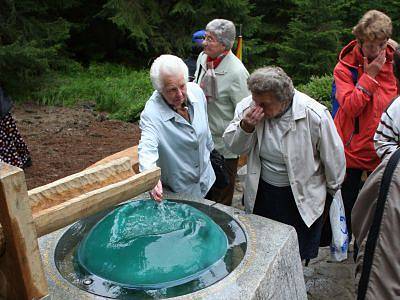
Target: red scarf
[214,62]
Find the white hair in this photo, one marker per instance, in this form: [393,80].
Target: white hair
[224,31]
[166,64]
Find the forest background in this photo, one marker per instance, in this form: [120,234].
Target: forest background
[99,51]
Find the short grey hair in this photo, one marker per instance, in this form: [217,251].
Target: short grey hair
[271,80]
[224,31]
[166,64]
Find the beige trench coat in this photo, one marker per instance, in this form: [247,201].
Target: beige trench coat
[384,279]
[313,153]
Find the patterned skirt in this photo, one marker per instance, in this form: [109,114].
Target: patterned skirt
[13,149]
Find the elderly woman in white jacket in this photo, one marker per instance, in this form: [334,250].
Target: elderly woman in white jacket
[223,78]
[175,132]
[295,154]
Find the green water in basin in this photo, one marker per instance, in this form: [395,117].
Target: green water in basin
[143,244]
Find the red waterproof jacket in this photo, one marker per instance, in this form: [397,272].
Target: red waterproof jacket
[366,100]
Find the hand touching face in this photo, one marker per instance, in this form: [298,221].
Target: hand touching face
[267,105]
[252,117]
[374,52]
[374,67]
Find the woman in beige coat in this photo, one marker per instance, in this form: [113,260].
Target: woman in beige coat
[295,154]
[375,220]
[376,214]
[223,77]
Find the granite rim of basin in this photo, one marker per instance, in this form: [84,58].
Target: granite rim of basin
[270,269]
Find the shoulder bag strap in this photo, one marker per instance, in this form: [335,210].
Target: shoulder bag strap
[373,233]
[199,70]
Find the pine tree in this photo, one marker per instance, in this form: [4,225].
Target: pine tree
[312,41]
[275,17]
[167,26]
[32,37]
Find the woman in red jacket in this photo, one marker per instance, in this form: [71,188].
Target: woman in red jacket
[363,99]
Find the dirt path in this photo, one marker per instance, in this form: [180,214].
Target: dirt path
[64,141]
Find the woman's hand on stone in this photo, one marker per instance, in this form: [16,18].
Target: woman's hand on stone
[157,192]
[251,118]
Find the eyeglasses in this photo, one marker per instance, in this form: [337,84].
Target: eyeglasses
[210,39]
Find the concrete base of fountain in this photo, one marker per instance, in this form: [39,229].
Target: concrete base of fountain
[270,269]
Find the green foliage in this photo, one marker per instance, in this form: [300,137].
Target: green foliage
[32,37]
[275,16]
[319,88]
[40,37]
[166,26]
[312,42]
[353,10]
[118,90]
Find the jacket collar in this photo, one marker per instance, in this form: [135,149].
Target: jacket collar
[222,67]
[298,107]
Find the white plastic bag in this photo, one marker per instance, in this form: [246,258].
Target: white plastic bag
[339,243]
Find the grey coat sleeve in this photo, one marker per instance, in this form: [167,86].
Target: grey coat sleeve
[235,138]
[331,153]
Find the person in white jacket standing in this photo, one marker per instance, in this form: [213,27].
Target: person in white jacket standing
[175,132]
[223,78]
[295,154]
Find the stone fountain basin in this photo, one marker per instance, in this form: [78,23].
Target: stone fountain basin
[270,269]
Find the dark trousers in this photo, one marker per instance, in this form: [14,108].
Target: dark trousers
[350,189]
[278,203]
[225,195]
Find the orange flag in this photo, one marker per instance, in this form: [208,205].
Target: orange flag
[239,49]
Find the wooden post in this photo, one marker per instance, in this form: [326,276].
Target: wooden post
[26,216]
[21,270]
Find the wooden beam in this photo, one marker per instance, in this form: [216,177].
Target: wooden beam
[84,205]
[131,152]
[69,199]
[72,186]
[21,270]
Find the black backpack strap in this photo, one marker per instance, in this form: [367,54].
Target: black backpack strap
[199,70]
[373,233]
[356,125]
[354,76]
